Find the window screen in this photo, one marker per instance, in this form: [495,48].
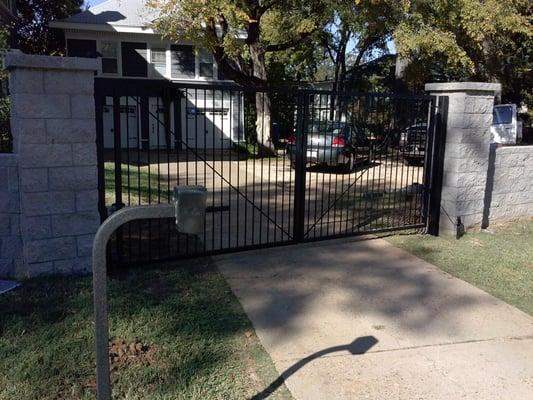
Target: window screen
[108,50]
[158,59]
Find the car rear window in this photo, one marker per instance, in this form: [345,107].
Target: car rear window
[502,115]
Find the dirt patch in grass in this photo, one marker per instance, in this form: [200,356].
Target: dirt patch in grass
[178,333]
[133,353]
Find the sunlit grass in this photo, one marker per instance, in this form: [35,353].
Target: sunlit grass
[139,185]
[499,260]
[201,344]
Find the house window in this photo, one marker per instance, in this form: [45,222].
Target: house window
[158,59]
[108,50]
[134,59]
[205,64]
[81,48]
[182,61]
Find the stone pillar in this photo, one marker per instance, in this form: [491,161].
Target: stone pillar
[54,137]
[466,150]
[10,240]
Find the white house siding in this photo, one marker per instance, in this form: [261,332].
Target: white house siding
[208,120]
[211,120]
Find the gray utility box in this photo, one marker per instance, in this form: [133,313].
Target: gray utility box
[190,204]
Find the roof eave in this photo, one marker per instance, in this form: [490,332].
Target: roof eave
[101,27]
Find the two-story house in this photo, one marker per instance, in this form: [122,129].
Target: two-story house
[119,33]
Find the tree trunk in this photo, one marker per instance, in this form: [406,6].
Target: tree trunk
[340,76]
[263,104]
[333,97]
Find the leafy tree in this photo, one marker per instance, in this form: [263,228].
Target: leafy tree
[34,34]
[357,32]
[241,34]
[475,39]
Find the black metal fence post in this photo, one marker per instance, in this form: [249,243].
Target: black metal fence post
[429,156]
[299,165]
[99,113]
[437,167]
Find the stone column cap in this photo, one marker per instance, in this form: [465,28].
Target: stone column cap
[463,87]
[21,60]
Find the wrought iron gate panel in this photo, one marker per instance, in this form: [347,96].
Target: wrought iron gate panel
[379,180]
[155,134]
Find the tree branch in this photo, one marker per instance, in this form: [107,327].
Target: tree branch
[327,46]
[267,6]
[291,43]
[362,50]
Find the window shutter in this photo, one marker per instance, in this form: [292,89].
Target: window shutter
[183,62]
[81,48]
[134,59]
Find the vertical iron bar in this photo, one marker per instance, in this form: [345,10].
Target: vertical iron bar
[299,179]
[99,113]
[118,171]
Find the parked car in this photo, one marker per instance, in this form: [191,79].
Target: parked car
[338,144]
[413,144]
[506,127]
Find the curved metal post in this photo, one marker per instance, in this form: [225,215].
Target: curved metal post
[114,221]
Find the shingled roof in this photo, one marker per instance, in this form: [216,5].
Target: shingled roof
[119,13]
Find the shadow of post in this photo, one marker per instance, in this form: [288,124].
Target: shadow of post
[359,346]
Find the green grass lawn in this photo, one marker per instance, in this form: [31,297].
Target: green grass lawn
[499,260]
[177,334]
[141,185]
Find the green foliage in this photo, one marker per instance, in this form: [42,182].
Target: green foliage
[4,37]
[33,32]
[269,27]
[6,144]
[473,38]
[5,132]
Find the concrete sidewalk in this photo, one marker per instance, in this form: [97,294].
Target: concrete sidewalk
[365,320]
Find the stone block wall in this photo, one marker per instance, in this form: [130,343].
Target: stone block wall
[467,149]
[54,141]
[11,258]
[512,188]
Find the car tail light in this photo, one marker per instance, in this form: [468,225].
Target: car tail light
[338,141]
[291,139]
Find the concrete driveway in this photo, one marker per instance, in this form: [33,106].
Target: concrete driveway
[365,320]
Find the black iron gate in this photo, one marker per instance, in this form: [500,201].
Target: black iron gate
[280,166]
